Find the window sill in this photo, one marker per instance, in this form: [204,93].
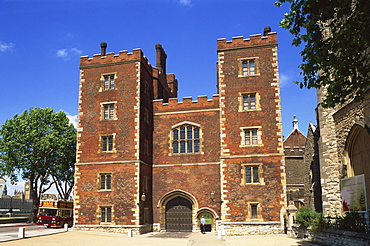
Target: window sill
[253,184]
[108,152]
[177,154]
[242,76]
[254,220]
[253,145]
[109,119]
[249,110]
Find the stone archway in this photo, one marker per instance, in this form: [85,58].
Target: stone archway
[178,211]
[210,217]
[358,154]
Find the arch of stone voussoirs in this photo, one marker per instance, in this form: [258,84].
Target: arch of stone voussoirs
[171,195]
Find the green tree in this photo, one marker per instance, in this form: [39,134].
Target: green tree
[36,145]
[336,38]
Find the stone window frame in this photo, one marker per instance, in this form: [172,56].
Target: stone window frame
[243,136]
[247,60]
[103,111]
[107,208]
[100,183]
[250,216]
[102,81]
[185,123]
[261,180]
[101,139]
[241,101]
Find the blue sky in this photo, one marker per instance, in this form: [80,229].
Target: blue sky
[41,42]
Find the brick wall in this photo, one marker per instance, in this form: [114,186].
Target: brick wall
[269,193]
[143,162]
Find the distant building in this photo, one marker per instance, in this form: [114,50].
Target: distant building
[146,161]
[27,190]
[296,178]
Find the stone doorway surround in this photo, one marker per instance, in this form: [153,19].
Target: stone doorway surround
[170,196]
[212,214]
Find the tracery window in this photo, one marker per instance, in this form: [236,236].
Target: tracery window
[186,139]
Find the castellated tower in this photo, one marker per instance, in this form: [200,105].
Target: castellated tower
[147,161]
[251,158]
[113,169]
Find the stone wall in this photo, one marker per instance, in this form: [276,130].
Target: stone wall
[250,228]
[330,168]
[335,127]
[346,118]
[342,238]
[125,229]
[312,166]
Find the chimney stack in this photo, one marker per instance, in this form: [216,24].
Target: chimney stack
[266,30]
[103,47]
[160,58]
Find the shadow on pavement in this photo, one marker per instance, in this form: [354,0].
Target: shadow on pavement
[171,235]
[306,243]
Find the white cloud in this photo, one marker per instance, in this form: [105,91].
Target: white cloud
[73,119]
[6,47]
[62,53]
[67,53]
[76,51]
[185,2]
[285,79]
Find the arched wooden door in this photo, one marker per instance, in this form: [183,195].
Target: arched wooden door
[179,215]
[360,157]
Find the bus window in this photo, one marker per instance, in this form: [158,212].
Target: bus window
[47,212]
[66,213]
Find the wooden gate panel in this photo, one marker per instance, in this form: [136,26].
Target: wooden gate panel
[179,215]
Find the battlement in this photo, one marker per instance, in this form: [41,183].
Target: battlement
[123,56]
[253,41]
[187,104]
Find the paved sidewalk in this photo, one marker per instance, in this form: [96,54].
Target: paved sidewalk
[88,238]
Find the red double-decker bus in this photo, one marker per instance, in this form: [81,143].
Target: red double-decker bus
[54,212]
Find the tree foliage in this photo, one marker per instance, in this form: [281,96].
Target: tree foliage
[39,145]
[336,38]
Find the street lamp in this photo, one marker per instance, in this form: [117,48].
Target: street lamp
[143,198]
